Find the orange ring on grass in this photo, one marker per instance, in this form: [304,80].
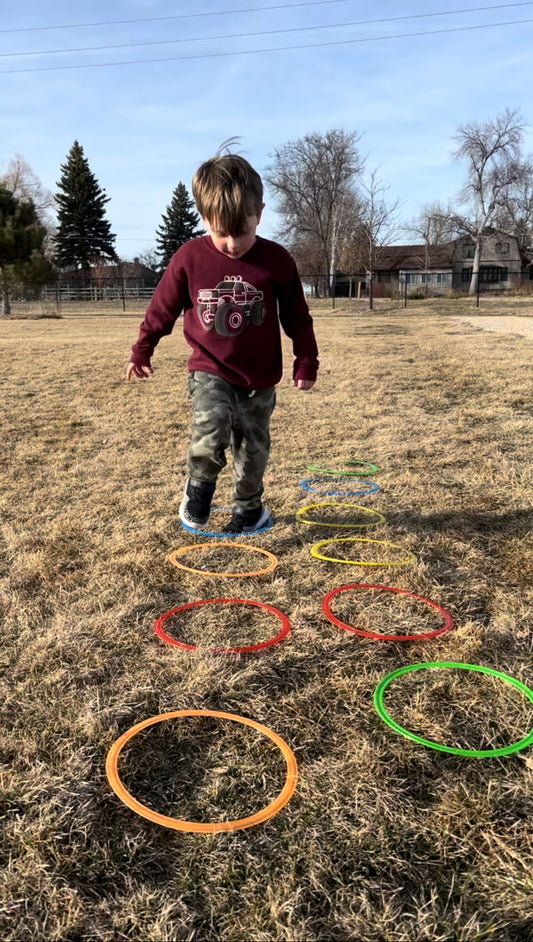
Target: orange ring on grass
[226,575]
[210,828]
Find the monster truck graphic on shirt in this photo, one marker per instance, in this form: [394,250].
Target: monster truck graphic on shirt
[230,306]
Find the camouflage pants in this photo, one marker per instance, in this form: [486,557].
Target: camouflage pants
[226,416]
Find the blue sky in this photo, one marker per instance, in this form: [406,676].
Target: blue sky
[146,125]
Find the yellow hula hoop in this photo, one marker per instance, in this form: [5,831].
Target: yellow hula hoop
[208,828]
[380,518]
[410,560]
[223,575]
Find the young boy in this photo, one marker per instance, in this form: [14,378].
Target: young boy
[235,289]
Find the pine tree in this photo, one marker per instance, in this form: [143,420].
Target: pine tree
[180,224]
[22,237]
[83,231]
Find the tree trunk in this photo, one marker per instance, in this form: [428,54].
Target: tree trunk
[475,268]
[332,269]
[5,306]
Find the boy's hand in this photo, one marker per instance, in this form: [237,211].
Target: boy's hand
[304,383]
[140,372]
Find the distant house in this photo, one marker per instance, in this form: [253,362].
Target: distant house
[440,269]
[137,275]
[414,266]
[103,282]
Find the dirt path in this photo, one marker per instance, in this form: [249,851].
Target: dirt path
[507,324]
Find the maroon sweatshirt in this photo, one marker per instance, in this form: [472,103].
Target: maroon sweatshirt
[232,310]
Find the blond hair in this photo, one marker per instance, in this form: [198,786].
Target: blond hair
[226,190]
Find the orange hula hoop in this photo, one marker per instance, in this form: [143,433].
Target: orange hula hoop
[208,828]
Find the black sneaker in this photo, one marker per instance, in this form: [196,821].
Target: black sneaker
[248,521]
[196,504]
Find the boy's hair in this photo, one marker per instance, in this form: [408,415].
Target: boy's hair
[226,190]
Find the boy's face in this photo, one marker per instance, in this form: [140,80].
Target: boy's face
[234,246]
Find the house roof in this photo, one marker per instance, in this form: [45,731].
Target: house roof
[126,270]
[405,257]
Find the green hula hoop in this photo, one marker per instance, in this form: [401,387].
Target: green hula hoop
[379,517]
[410,560]
[368,468]
[478,753]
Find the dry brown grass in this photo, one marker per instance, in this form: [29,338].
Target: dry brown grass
[384,839]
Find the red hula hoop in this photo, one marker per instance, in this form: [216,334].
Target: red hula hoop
[425,636]
[246,649]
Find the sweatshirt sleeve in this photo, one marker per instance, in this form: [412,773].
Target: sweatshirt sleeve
[297,323]
[170,298]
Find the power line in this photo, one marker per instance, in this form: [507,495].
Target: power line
[180,16]
[186,16]
[269,32]
[254,52]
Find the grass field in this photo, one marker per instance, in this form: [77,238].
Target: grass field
[384,839]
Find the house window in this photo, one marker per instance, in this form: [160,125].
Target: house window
[468,250]
[502,248]
[442,277]
[492,274]
[466,274]
[410,278]
[426,278]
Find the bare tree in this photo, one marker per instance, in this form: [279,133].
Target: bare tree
[150,258]
[314,180]
[434,226]
[308,256]
[516,214]
[379,223]
[25,184]
[491,150]
[352,258]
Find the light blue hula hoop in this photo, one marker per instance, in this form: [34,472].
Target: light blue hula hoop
[225,536]
[373,488]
